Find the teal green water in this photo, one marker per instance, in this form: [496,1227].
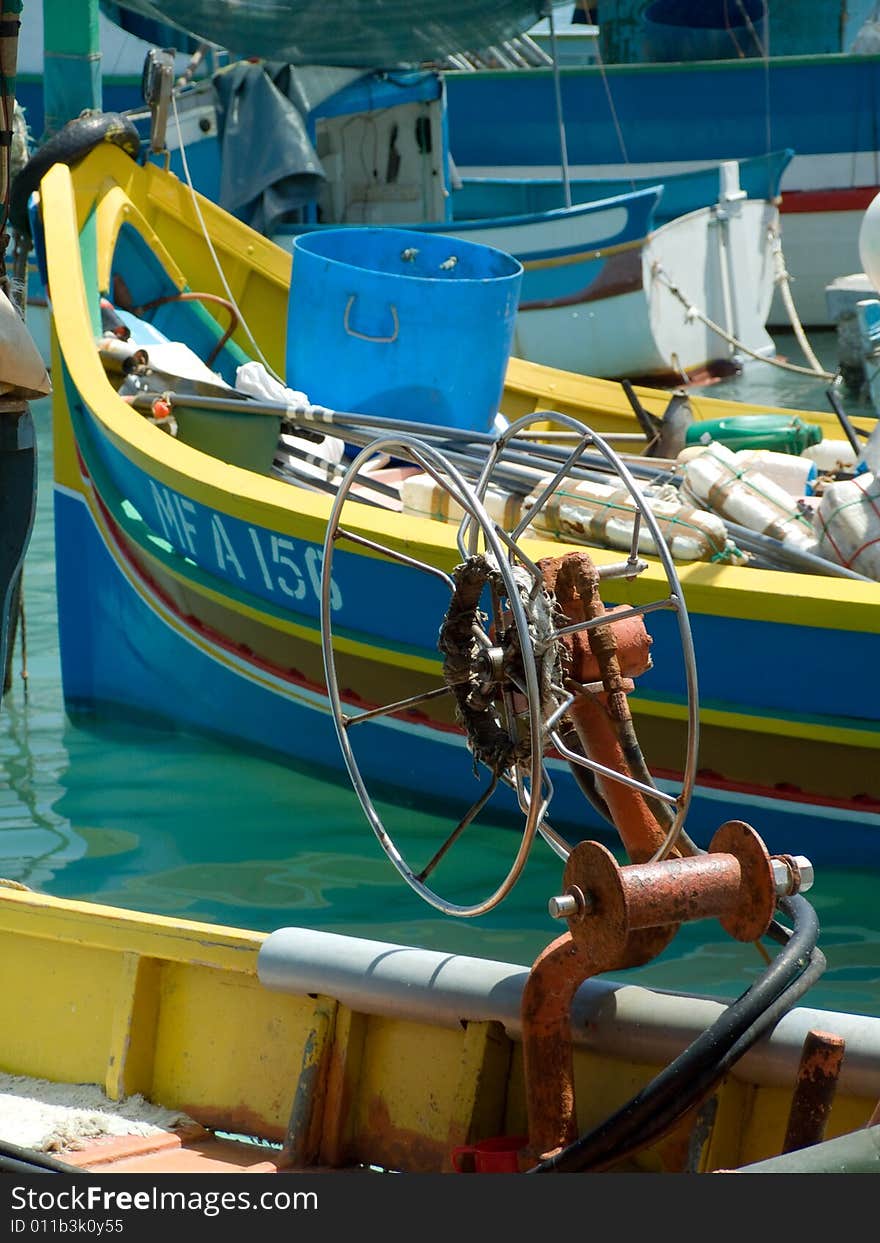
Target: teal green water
[182,826]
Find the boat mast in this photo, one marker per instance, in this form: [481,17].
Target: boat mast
[557,88]
[71,61]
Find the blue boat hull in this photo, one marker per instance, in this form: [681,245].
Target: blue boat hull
[114,640]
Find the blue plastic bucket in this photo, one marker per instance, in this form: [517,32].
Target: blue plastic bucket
[686,30]
[408,325]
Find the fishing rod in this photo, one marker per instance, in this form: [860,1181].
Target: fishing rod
[320,418]
[460,446]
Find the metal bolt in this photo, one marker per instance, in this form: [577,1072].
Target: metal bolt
[792,874]
[490,664]
[571,905]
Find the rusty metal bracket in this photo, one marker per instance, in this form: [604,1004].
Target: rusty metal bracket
[622,917]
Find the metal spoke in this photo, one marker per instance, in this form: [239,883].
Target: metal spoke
[519,555]
[399,706]
[611,773]
[453,837]
[557,716]
[635,610]
[468,524]
[342,533]
[550,487]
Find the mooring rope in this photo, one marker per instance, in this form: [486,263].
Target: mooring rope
[783,280]
[694,312]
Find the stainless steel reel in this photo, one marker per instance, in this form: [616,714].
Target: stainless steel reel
[505,667]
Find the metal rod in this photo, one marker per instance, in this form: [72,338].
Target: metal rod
[611,773]
[399,706]
[468,818]
[843,418]
[604,619]
[342,533]
[349,423]
[549,435]
[550,487]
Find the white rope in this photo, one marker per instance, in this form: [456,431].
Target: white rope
[210,246]
[783,280]
[694,313]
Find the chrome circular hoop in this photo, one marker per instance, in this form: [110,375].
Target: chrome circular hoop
[531,677]
[522,766]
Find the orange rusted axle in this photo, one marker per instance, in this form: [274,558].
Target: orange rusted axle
[574,581]
[601,663]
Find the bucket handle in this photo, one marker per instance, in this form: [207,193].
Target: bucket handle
[362,336]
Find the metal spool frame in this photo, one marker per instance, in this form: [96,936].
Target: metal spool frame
[522,584]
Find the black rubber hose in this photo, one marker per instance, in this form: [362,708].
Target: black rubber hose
[700,1088]
[585,777]
[689,1077]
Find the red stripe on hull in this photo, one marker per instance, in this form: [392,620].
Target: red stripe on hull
[856,198]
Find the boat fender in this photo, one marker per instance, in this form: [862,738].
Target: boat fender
[73,141]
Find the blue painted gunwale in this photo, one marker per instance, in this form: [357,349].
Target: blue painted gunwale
[668,113]
[486,197]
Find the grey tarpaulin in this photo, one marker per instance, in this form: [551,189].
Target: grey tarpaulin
[266,182]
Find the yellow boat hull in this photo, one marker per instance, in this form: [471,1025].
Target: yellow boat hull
[177,1011]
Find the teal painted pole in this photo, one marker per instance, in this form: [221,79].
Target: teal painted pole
[71,61]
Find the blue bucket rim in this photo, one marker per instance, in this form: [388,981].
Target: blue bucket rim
[408,237]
